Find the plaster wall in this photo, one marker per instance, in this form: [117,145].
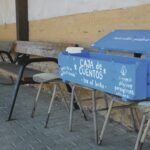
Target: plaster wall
[43,9]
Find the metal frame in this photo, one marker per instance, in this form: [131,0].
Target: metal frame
[74,98]
[98,140]
[108,115]
[23,61]
[55,86]
[94,111]
[8,56]
[142,133]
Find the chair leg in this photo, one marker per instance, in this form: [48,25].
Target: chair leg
[36,100]
[137,118]
[133,119]
[63,97]
[144,135]
[140,133]
[106,121]
[15,91]
[71,108]
[51,104]
[95,116]
[69,89]
[80,106]
[106,101]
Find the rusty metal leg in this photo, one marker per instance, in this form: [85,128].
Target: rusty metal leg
[15,92]
[140,133]
[36,100]
[51,104]
[71,108]
[80,106]
[106,121]
[95,116]
[144,135]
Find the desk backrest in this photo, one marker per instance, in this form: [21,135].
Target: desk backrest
[44,49]
[6,46]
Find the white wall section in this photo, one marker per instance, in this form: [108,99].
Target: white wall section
[7,11]
[54,8]
[42,9]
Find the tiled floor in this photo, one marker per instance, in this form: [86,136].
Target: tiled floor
[26,133]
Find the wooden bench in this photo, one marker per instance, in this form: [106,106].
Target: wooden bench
[27,52]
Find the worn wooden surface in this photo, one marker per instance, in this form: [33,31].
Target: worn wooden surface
[43,49]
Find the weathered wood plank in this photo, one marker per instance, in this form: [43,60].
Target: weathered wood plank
[43,49]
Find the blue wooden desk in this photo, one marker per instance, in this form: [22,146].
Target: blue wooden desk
[114,73]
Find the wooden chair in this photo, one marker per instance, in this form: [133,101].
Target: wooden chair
[53,79]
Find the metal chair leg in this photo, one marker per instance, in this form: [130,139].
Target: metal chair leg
[15,92]
[144,135]
[36,100]
[106,121]
[80,106]
[140,133]
[95,116]
[51,104]
[71,108]
[63,97]
[69,89]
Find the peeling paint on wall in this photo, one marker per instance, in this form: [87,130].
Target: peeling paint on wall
[42,9]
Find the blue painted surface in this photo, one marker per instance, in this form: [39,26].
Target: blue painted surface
[123,76]
[119,75]
[125,40]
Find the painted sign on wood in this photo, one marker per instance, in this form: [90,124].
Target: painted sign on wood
[118,75]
